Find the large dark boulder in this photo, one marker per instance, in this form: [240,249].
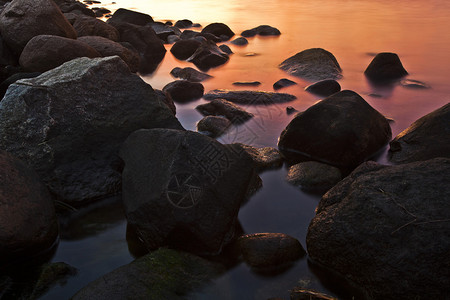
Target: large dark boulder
[341,130]
[45,52]
[250,97]
[189,74]
[28,223]
[387,229]
[163,274]
[163,31]
[69,122]
[87,26]
[219,30]
[123,15]
[426,138]
[184,49]
[184,91]
[313,64]
[208,56]
[324,87]
[183,189]
[21,20]
[263,30]
[222,107]
[385,67]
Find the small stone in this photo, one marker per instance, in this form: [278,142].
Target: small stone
[214,126]
[240,41]
[414,84]
[284,82]
[226,49]
[290,110]
[313,175]
[324,88]
[247,83]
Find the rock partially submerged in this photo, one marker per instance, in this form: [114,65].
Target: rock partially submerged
[313,64]
[222,107]
[312,175]
[263,30]
[342,130]
[426,138]
[386,228]
[264,158]
[189,74]
[183,49]
[240,41]
[123,15]
[324,88]
[208,56]
[220,30]
[214,126]
[250,97]
[184,91]
[284,82]
[385,67]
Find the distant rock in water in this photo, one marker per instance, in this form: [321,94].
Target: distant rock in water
[240,41]
[324,88]
[414,84]
[247,83]
[290,110]
[385,67]
[250,97]
[184,91]
[129,16]
[263,30]
[214,126]
[182,24]
[208,56]
[313,64]
[225,49]
[222,107]
[189,74]
[219,30]
[284,82]
[184,49]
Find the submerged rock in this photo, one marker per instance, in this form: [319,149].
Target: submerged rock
[226,49]
[208,56]
[426,138]
[219,30]
[189,74]
[250,97]
[214,126]
[184,49]
[222,107]
[414,84]
[313,64]
[312,175]
[247,83]
[386,228]
[342,130]
[240,41]
[324,88]
[385,67]
[184,91]
[183,24]
[284,82]
[263,30]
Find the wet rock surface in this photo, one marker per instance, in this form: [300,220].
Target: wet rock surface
[249,97]
[240,41]
[222,107]
[313,64]
[385,67]
[184,91]
[263,30]
[284,82]
[265,158]
[350,133]
[324,88]
[184,49]
[189,74]
[214,126]
[426,138]
[219,30]
[247,83]
[312,175]
[386,229]
[208,56]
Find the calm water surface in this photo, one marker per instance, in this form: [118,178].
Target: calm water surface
[353,31]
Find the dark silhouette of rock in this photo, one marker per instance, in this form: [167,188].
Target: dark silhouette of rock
[414,84]
[184,49]
[45,52]
[123,15]
[214,126]
[182,24]
[240,41]
[184,91]
[101,11]
[73,6]
[342,130]
[189,74]
[263,30]
[184,190]
[208,56]
[164,31]
[426,138]
[247,83]
[385,67]
[219,30]
[249,97]
[225,49]
[13,78]
[6,55]
[28,223]
[87,26]
[94,105]
[290,110]
[222,107]
[313,64]
[312,175]
[166,99]
[22,20]
[284,82]
[188,34]
[324,88]
[264,158]
[386,229]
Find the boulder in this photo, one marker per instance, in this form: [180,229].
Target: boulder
[312,175]
[313,64]
[45,52]
[270,250]
[189,74]
[250,97]
[163,274]
[123,15]
[28,223]
[184,91]
[219,30]
[109,48]
[208,56]
[222,107]
[342,130]
[13,78]
[324,88]
[226,49]
[87,26]
[284,82]
[74,6]
[183,189]
[240,41]
[21,20]
[213,126]
[385,67]
[387,229]
[163,31]
[426,138]
[182,24]
[184,49]
[189,34]
[263,30]
[69,122]
[264,158]
[167,100]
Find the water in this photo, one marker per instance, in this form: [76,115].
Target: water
[353,30]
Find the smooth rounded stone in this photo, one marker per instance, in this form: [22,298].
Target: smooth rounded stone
[184,91]
[290,110]
[208,56]
[414,84]
[219,30]
[144,39]
[303,294]
[172,39]
[109,48]
[184,49]
[240,41]
[162,274]
[21,20]
[385,67]
[214,126]
[182,24]
[426,138]
[263,30]
[123,15]
[87,26]
[270,250]
[183,189]
[226,49]
[17,76]
[351,132]
[386,229]
[189,74]
[250,97]
[324,88]
[313,64]
[45,52]
[311,175]
[282,83]
[166,99]
[164,31]
[210,37]
[188,34]
[28,223]
[247,83]
[264,158]
[95,104]
[222,107]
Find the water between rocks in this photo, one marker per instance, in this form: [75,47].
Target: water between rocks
[354,31]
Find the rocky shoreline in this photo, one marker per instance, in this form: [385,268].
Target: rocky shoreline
[78,124]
